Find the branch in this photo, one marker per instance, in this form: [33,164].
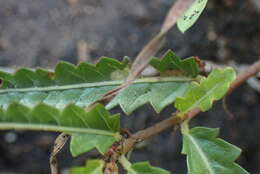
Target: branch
[173,120]
[244,75]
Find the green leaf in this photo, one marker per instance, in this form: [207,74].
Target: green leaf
[86,83]
[140,167]
[159,95]
[170,63]
[68,84]
[96,125]
[81,143]
[201,95]
[191,15]
[160,92]
[145,168]
[91,167]
[55,101]
[5,80]
[66,74]
[208,154]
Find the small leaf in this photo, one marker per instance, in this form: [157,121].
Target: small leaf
[145,168]
[201,95]
[81,143]
[170,62]
[191,15]
[208,154]
[91,167]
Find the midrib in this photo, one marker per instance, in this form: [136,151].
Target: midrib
[202,154]
[99,84]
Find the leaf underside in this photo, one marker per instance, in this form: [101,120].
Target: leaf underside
[158,95]
[207,154]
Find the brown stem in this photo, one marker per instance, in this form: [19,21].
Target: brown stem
[173,120]
[244,75]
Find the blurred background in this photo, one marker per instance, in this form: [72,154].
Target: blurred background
[40,33]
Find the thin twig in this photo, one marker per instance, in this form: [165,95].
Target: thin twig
[244,75]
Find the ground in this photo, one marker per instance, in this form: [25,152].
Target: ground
[40,33]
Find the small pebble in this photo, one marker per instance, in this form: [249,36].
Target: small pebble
[10,137]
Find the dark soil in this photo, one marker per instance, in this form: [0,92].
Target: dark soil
[40,33]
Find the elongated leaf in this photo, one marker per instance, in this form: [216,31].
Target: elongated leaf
[208,154]
[201,95]
[86,83]
[85,127]
[62,87]
[173,65]
[91,167]
[66,74]
[160,92]
[145,168]
[191,15]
